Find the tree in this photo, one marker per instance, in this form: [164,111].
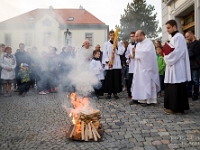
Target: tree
[138,16]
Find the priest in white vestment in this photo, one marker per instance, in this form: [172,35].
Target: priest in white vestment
[86,51]
[177,72]
[146,82]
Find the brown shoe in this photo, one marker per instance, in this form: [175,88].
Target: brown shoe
[168,111]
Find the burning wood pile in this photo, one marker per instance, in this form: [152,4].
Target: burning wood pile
[85,119]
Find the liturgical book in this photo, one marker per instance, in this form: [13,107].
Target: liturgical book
[167,48]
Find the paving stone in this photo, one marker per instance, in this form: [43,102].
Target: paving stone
[165,141]
[163,133]
[162,147]
[155,143]
[150,148]
[40,122]
[192,148]
[173,146]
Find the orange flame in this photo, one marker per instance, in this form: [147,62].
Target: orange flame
[81,104]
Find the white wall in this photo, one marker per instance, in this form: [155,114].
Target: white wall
[78,37]
[57,35]
[17,36]
[174,9]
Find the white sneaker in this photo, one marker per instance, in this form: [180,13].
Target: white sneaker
[124,89]
[42,93]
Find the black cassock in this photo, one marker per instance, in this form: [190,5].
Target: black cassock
[113,81]
[175,97]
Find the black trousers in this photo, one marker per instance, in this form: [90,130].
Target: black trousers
[113,80]
[175,97]
[24,87]
[130,79]
[99,91]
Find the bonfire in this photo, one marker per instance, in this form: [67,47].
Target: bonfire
[85,119]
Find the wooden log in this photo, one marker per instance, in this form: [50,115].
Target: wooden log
[95,130]
[86,132]
[82,130]
[94,135]
[92,115]
[77,121]
[90,131]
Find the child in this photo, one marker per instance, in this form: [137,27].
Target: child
[96,67]
[24,74]
[161,68]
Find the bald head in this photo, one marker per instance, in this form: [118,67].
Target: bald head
[86,43]
[189,36]
[97,47]
[140,35]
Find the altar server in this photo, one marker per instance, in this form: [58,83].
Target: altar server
[113,73]
[177,72]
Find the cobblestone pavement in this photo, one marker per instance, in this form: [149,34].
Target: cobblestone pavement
[40,122]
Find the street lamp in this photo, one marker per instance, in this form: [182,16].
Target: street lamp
[67,33]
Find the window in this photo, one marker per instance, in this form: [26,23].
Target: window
[47,38]
[47,23]
[89,36]
[28,39]
[8,39]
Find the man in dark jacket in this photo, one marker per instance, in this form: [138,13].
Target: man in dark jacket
[194,56]
[66,67]
[21,57]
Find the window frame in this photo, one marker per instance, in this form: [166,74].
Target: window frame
[92,36]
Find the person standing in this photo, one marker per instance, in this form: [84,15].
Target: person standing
[8,64]
[161,68]
[113,75]
[146,82]
[125,67]
[97,69]
[65,68]
[194,56]
[86,51]
[21,57]
[53,67]
[130,55]
[98,48]
[177,72]
[2,49]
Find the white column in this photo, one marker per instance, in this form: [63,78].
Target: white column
[197,18]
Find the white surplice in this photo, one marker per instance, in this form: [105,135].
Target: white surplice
[97,69]
[131,60]
[177,62]
[146,82]
[86,53]
[107,52]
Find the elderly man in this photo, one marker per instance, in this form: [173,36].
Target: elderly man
[86,51]
[146,82]
[194,56]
